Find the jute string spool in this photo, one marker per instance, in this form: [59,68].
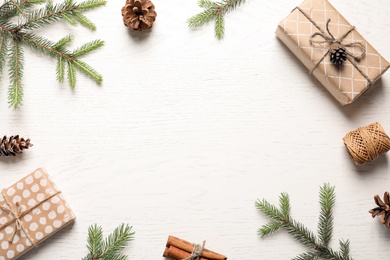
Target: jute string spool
[365,144]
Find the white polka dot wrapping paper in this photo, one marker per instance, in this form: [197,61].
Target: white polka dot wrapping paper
[31,210]
[307,33]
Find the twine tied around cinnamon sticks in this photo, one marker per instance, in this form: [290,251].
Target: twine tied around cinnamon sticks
[336,43]
[196,252]
[365,144]
[18,214]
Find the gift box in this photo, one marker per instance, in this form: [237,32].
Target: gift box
[31,210]
[333,50]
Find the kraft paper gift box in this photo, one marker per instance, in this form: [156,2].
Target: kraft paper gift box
[31,210]
[309,34]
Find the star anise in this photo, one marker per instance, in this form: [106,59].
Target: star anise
[383,209]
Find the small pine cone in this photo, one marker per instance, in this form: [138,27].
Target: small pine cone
[139,15]
[337,54]
[13,145]
[382,209]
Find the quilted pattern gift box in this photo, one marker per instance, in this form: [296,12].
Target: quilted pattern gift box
[31,210]
[332,49]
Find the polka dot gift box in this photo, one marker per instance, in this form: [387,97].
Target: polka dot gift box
[31,210]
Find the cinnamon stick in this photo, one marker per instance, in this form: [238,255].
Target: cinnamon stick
[188,247]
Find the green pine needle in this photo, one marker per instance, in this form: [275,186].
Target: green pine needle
[325,223]
[71,75]
[88,70]
[219,28]
[270,210]
[270,228]
[19,19]
[95,239]
[82,19]
[284,204]
[306,256]
[319,247]
[15,90]
[201,18]
[63,42]
[214,11]
[3,52]
[91,4]
[110,248]
[87,48]
[344,248]
[207,4]
[60,69]
[71,20]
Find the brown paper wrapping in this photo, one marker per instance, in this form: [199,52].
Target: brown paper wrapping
[42,212]
[345,83]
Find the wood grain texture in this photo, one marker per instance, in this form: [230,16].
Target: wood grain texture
[186,132]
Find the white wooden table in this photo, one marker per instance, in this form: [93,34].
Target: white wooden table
[186,132]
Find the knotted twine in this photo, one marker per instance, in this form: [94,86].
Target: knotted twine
[365,144]
[196,252]
[336,43]
[18,214]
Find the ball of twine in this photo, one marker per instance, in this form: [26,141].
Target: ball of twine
[365,144]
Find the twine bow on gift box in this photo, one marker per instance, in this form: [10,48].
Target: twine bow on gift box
[18,214]
[18,224]
[339,51]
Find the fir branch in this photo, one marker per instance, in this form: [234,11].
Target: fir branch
[20,33]
[319,247]
[109,248]
[214,11]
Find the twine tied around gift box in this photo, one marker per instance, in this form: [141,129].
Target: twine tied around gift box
[196,252]
[18,214]
[365,144]
[336,43]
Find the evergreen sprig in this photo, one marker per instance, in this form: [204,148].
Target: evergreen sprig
[214,11]
[109,248]
[19,19]
[318,244]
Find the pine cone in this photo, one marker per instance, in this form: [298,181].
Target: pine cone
[139,15]
[337,54]
[13,145]
[383,209]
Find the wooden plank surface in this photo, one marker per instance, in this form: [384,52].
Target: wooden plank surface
[186,132]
